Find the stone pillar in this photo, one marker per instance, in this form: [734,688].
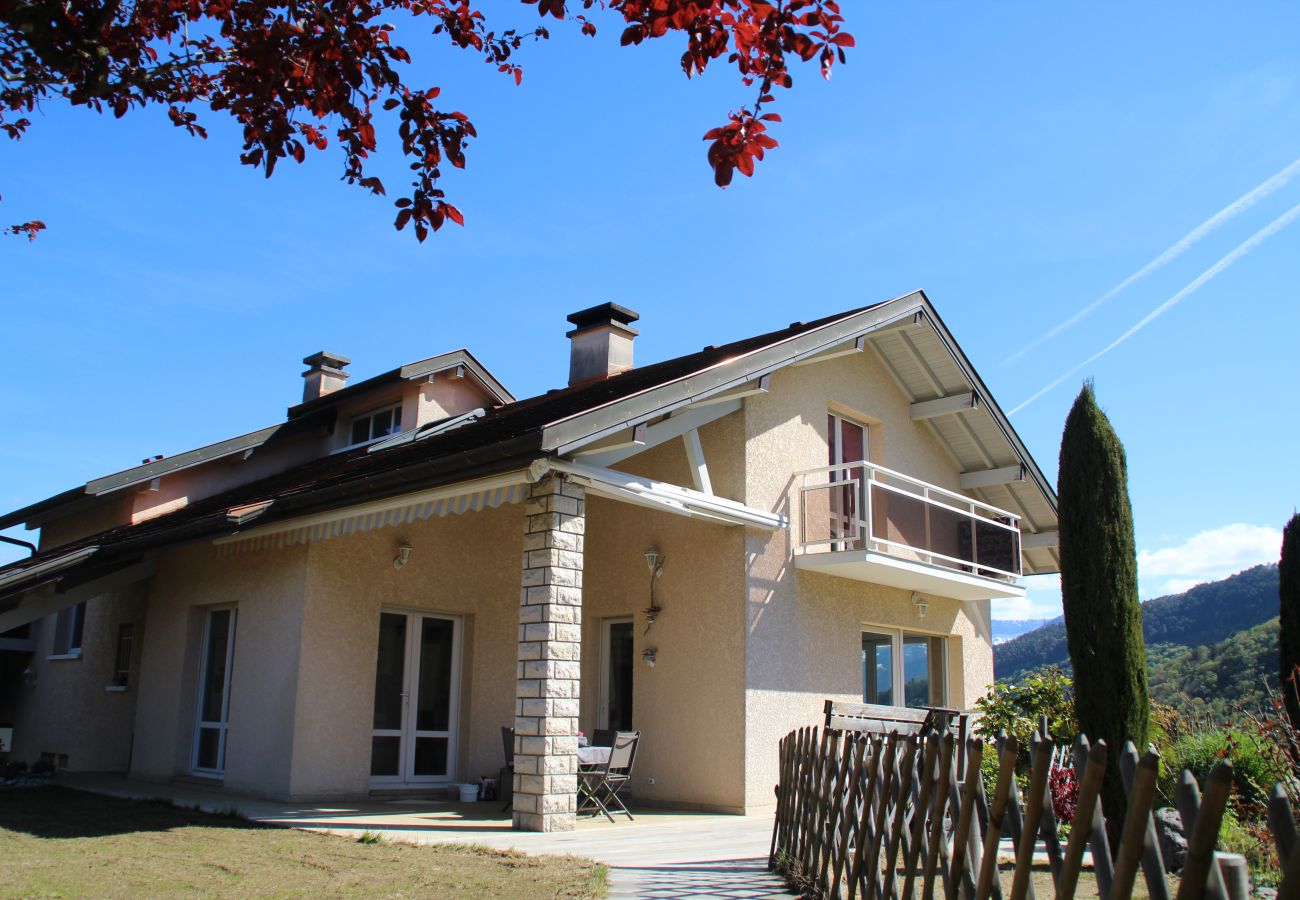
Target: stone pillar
[550,645]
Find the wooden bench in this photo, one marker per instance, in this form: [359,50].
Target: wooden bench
[869,718]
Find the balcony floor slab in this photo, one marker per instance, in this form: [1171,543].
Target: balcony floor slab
[910,575]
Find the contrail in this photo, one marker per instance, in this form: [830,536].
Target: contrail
[1236,207]
[1237,253]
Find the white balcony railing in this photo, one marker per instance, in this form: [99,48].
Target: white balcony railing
[862,506]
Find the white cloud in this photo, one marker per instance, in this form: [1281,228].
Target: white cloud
[1207,556]
[1042,600]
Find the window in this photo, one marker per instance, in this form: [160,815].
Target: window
[375,425]
[900,668]
[67,630]
[125,645]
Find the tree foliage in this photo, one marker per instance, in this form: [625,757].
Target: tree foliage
[1289,598]
[1099,592]
[1218,681]
[295,74]
[1016,708]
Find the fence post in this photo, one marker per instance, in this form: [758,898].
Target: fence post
[1200,846]
[959,872]
[1133,837]
[997,810]
[1021,885]
[1089,789]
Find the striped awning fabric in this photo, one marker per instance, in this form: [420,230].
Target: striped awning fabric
[384,518]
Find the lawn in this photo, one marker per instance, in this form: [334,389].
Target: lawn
[56,842]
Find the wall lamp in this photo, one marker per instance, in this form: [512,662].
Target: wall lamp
[403,556]
[648,656]
[922,605]
[654,561]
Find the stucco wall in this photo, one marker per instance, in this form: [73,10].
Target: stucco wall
[803,641]
[63,708]
[267,589]
[466,565]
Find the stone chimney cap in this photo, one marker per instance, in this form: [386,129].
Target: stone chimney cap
[604,314]
[327,361]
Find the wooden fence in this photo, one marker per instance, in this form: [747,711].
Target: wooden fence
[896,816]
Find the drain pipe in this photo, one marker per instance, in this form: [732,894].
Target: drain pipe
[31,548]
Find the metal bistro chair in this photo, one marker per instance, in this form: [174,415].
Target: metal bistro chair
[508,745]
[601,784]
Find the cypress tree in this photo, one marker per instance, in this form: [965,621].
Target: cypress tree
[1288,571]
[1099,592]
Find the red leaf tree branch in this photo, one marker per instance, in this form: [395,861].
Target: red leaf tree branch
[298,74]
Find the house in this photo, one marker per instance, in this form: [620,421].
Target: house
[704,549]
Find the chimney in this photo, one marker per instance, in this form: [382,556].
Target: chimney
[601,342]
[324,374]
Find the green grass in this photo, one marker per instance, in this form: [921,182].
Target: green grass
[56,842]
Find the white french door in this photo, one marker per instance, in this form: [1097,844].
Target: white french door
[417,699]
[212,709]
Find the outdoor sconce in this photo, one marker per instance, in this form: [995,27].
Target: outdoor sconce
[654,562]
[922,605]
[403,556]
[648,656]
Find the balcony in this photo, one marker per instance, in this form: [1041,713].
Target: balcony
[869,523]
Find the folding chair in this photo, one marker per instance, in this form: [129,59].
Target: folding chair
[600,785]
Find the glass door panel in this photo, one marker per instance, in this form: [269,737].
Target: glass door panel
[616,686]
[916,671]
[213,706]
[434,699]
[847,443]
[877,669]
[390,697]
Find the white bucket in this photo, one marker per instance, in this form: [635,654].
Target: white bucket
[468,793]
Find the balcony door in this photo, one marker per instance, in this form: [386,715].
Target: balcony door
[846,442]
[417,699]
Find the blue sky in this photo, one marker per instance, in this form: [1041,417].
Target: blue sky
[1017,161]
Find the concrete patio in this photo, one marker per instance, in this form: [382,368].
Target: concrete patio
[660,854]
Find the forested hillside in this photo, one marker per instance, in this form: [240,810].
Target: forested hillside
[1203,615]
[1213,679]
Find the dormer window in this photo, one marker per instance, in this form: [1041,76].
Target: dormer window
[375,425]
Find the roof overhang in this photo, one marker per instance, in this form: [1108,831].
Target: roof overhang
[659,495]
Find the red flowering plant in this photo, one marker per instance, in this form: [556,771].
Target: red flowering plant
[1064,786]
[298,74]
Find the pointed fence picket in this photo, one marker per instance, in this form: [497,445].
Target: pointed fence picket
[905,816]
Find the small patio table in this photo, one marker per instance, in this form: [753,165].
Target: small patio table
[590,758]
[593,756]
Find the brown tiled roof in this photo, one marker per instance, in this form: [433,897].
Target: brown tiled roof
[506,437]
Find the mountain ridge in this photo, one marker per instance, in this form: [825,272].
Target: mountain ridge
[1170,624]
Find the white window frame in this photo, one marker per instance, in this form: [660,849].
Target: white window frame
[897,685]
[394,408]
[602,709]
[67,623]
[840,419]
[199,723]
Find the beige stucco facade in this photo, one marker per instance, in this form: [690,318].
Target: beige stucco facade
[747,646]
